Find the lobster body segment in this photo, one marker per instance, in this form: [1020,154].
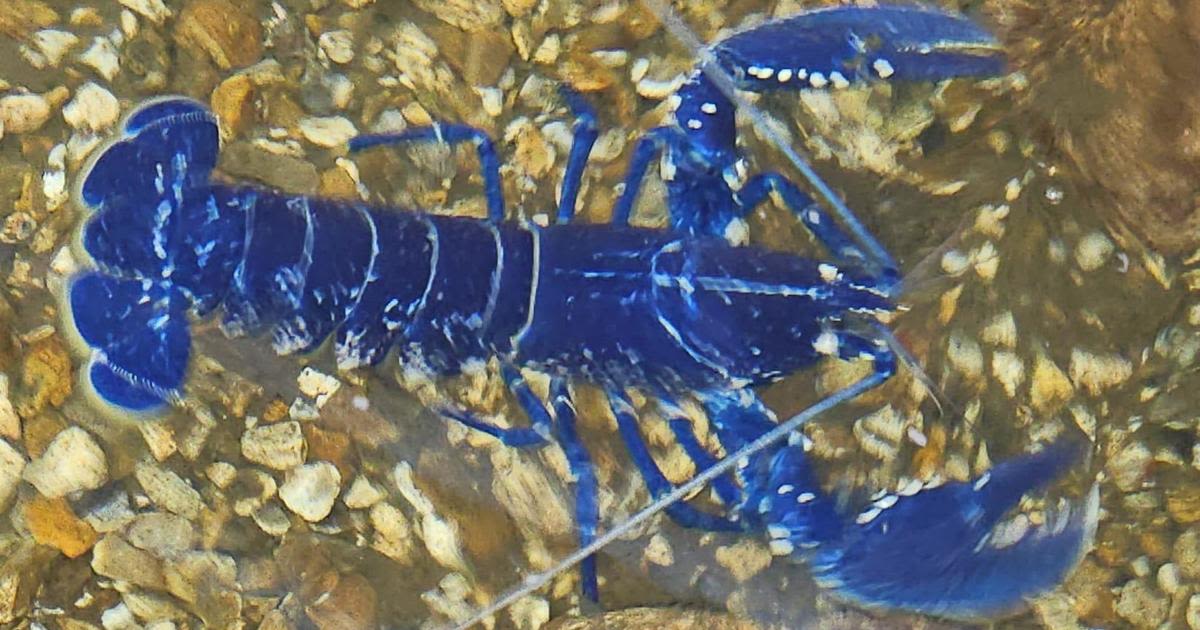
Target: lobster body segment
[677,313]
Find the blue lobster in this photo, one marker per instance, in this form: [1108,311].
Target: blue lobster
[676,313]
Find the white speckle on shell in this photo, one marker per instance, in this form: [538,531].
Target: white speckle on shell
[883,68]
[826,343]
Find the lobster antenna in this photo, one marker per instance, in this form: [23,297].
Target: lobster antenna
[707,62]
[537,580]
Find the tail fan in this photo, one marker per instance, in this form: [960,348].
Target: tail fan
[138,332]
[165,241]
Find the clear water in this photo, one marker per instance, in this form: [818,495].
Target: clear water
[1027,266]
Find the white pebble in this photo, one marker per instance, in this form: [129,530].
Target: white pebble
[362,494]
[492,100]
[328,132]
[280,446]
[93,108]
[72,462]
[311,489]
[1093,251]
[153,10]
[103,58]
[338,46]
[317,385]
[49,46]
[22,113]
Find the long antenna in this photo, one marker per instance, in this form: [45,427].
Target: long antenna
[713,70]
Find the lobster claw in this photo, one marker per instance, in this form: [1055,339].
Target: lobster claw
[842,45]
[943,550]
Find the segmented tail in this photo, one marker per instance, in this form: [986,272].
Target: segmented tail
[162,246]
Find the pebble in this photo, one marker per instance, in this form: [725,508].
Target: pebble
[1183,503]
[965,355]
[72,462]
[1193,612]
[393,535]
[1008,370]
[1092,251]
[1141,605]
[361,494]
[12,464]
[115,558]
[310,490]
[1098,372]
[658,551]
[529,613]
[153,10]
[1128,466]
[222,474]
[23,113]
[272,519]
[110,511]
[744,559]
[49,46]
[350,604]
[338,46]
[119,617]
[169,491]
[317,385]
[222,31]
[51,522]
[102,57]
[468,15]
[10,423]
[329,131]
[93,109]
[280,446]
[161,533]
[233,103]
[1049,387]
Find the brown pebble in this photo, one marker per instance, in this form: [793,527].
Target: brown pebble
[233,102]
[276,410]
[222,31]
[19,18]
[1183,502]
[336,182]
[349,605]
[114,558]
[47,376]
[331,446]
[52,523]
[480,58]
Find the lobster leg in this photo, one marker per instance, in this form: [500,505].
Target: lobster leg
[658,484]
[822,226]
[581,146]
[685,435]
[587,512]
[489,162]
[647,149]
[538,434]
